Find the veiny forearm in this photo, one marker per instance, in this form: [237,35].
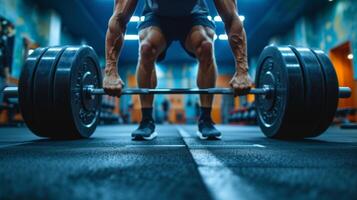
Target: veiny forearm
[238,42]
[123,10]
[114,43]
[227,9]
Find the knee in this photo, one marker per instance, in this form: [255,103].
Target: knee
[205,51]
[147,51]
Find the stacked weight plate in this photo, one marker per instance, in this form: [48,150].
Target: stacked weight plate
[314,88]
[306,94]
[280,114]
[51,94]
[331,93]
[26,98]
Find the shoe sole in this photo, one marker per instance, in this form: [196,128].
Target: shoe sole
[211,137]
[139,137]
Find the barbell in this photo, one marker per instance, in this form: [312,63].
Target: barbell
[60,92]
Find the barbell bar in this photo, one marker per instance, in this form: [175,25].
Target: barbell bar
[266,90]
[344,92]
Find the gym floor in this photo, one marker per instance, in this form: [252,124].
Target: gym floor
[177,165]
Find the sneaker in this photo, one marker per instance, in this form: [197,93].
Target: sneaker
[145,131]
[207,131]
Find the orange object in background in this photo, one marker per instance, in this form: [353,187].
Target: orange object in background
[344,69]
[176,113]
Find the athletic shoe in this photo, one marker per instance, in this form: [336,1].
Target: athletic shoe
[206,130]
[145,131]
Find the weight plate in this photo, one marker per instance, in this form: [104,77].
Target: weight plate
[78,113]
[279,115]
[43,93]
[26,88]
[331,92]
[314,90]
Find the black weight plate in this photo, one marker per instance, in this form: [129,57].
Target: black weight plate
[314,90]
[26,88]
[77,113]
[280,116]
[331,92]
[43,93]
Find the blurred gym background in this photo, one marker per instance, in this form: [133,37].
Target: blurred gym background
[323,24]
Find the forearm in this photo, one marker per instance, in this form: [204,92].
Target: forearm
[238,42]
[114,43]
[227,9]
[123,9]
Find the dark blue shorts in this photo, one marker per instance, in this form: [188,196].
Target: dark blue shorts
[175,28]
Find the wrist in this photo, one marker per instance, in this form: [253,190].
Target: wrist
[242,68]
[242,72]
[111,71]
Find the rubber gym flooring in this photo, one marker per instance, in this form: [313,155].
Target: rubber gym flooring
[177,165]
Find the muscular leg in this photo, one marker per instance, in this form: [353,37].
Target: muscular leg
[200,43]
[152,43]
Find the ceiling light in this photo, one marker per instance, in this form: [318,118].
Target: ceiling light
[242,18]
[223,37]
[219,19]
[350,56]
[134,19]
[131,37]
[30,51]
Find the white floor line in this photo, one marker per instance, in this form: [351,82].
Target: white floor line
[194,146]
[219,146]
[154,145]
[220,180]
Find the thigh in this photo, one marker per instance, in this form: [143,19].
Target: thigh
[196,36]
[153,36]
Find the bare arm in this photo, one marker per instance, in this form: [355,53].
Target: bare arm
[227,9]
[123,10]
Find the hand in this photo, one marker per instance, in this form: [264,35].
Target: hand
[241,84]
[113,84]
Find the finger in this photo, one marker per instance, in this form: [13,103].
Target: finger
[110,91]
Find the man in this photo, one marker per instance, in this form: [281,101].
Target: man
[167,21]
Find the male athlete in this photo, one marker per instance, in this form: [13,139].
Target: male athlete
[175,20]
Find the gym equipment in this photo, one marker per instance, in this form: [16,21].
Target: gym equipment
[60,92]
